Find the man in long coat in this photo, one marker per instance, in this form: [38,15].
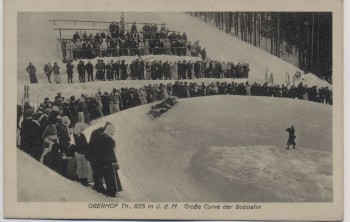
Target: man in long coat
[291,137]
[31,70]
[92,155]
[109,161]
[48,70]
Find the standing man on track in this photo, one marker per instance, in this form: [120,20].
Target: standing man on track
[291,137]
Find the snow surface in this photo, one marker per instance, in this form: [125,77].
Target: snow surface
[219,45]
[257,172]
[37,183]
[155,156]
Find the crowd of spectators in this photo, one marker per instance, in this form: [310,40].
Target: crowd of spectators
[118,41]
[155,70]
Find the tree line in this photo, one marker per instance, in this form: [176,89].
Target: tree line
[307,35]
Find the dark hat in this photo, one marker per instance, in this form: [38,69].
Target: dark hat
[28,113]
[51,132]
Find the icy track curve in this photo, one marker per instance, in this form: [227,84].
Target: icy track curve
[155,156]
[215,148]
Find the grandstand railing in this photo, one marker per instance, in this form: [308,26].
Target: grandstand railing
[99,22]
[96,29]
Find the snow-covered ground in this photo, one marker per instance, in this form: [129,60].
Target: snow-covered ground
[155,156]
[38,44]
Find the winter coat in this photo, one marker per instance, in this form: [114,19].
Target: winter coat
[81,68]
[63,137]
[106,146]
[31,141]
[291,136]
[56,69]
[70,68]
[92,152]
[80,142]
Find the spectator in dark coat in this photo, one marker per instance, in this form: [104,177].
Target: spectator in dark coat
[31,70]
[109,161]
[90,71]
[81,71]
[124,70]
[197,69]
[48,70]
[92,155]
[70,68]
[291,137]
[105,104]
[81,148]
[63,134]
[30,138]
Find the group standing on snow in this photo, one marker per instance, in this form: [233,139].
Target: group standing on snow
[140,69]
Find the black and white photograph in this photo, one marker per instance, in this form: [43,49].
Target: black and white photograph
[194,107]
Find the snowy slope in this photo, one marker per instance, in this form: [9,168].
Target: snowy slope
[37,183]
[220,46]
[155,156]
[257,172]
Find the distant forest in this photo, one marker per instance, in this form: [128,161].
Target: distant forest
[308,34]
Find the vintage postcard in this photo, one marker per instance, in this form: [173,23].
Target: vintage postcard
[180,110]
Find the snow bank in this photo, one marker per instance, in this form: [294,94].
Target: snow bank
[312,80]
[257,172]
[37,183]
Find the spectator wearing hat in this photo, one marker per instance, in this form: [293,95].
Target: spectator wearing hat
[81,110]
[52,156]
[114,100]
[30,135]
[63,133]
[291,137]
[31,70]
[70,68]
[56,72]
[109,70]
[81,71]
[93,156]
[116,69]
[109,161]
[103,47]
[124,70]
[48,70]
[105,104]
[81,148]
[100,70]
[76,36]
